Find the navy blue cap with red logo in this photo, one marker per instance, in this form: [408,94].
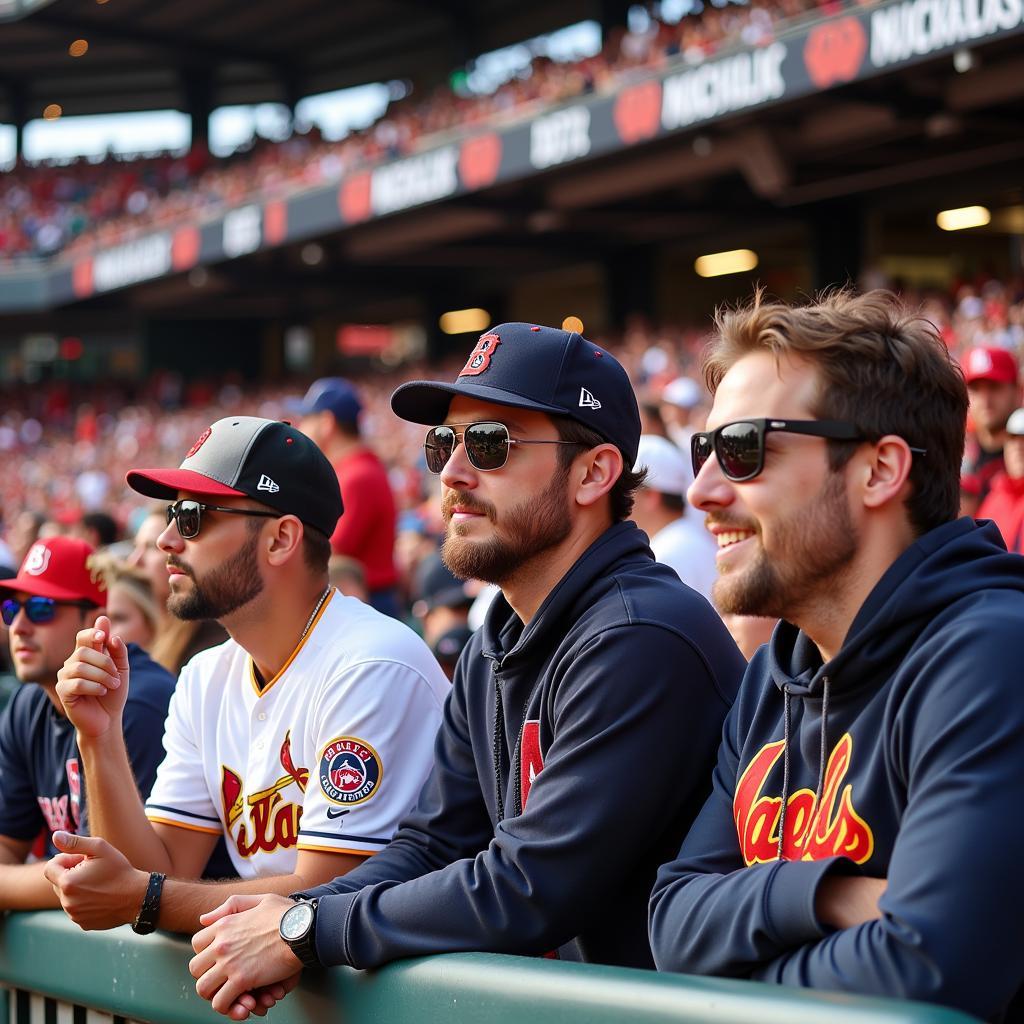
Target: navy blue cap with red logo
[545,369]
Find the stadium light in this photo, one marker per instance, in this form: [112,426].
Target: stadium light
[79,48]
[52,111]
[573,324]
[717,264]
[464,321]
[963,217]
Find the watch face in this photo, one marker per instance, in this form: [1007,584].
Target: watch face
[296,921]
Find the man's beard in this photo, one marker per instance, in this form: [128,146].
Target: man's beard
[529,528]
[812,548]
[223,590]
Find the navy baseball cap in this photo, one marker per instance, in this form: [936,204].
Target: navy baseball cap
[540,368]
[335,394]
[250,457]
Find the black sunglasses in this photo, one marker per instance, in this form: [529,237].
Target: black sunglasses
[39,610]
[739,446]
[188,515]
[487,445]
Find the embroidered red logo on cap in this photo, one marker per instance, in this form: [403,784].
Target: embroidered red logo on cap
[200,441]
[480,357]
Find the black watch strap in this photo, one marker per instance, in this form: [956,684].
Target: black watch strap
[145,921]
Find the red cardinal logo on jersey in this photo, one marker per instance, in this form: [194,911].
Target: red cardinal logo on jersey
[832,829]
[274,824]
[480,358]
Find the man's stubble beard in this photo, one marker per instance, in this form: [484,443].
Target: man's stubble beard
[529,529]
[817,543]
[227,588]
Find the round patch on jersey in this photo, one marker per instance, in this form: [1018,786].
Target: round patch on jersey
[350,771]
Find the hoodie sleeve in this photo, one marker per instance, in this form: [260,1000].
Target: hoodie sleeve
[953,913]
[711,914]
[641,750]
[449,821]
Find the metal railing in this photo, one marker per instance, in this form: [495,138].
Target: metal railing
[55,973]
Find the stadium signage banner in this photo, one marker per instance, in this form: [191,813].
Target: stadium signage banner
[855,44]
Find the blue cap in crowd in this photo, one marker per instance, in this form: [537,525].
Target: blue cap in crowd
[334,394]
[541,368]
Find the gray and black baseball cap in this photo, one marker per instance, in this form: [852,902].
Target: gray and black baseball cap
[250,457]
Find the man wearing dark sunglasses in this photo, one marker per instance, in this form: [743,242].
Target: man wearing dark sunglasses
[301,740]
[578,738]
[864,829]
[41,792]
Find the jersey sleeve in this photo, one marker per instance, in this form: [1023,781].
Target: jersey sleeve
[20,816]
[180,795]
[374,748]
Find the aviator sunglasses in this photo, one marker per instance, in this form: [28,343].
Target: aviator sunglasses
[38,610]
[188,515]
[487,445]
[739,446]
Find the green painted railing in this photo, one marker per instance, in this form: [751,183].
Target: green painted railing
[146,979]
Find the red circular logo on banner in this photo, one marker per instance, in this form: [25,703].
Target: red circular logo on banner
[834,51]
[275,222]
[638,112]
[480,160]
[354,197]
[185,248]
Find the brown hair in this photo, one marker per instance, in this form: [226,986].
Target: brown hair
[623,492]
[882,367]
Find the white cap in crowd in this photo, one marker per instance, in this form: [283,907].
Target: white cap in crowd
[668,469]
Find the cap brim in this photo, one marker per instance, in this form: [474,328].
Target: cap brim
[42,588]
[166,483]
[427,401]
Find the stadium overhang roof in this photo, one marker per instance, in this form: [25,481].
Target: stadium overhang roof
[152,56]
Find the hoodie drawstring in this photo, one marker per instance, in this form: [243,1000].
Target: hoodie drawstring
[780,855]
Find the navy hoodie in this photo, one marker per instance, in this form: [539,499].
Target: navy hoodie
[573,754]
[906,762]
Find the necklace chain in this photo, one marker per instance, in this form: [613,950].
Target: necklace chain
[319,605]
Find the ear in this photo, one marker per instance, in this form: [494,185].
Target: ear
[885,473]
[283,539]
[594,474]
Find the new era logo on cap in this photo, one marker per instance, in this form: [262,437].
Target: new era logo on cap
[587,400]
[268,485]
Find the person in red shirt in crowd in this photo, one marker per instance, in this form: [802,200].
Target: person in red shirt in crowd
[366,531]
[992,383]
[1005,502]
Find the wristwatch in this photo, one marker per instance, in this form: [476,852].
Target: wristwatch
[298,929]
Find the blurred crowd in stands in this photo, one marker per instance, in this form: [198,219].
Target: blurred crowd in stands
[46,210]
[65,448]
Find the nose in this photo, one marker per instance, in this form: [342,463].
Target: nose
[458,472]
[170,540]
[22,624]
[711,488]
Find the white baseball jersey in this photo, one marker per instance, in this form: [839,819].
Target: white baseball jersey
[329,755]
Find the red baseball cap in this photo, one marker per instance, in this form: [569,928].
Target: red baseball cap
[996,364]
[56,567]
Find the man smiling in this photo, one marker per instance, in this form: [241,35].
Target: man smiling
[577,742]
[302,739]
[863,833]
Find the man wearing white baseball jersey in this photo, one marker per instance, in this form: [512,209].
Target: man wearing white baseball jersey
[302,740]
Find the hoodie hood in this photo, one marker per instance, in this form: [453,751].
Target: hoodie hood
[947,564]
[503,633]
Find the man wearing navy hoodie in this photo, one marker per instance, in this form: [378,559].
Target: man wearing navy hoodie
[578,741]
[864,831]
